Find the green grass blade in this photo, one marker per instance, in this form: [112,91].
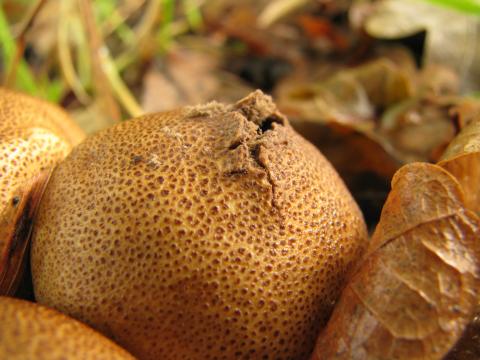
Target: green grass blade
[164,35]
[25,80]
[53,89]
[471,7]
[193,14]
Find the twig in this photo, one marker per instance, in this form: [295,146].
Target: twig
[120,15]
[141,31]
[65,57]
[95,45]
[148,20]
[121,91]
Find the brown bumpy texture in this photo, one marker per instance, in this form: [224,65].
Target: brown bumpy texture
[33,332]
[34,136]
[211,232]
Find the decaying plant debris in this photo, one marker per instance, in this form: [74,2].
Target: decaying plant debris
[418,286]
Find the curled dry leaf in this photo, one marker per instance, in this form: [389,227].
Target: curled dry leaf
[462,159]
[405,111]
[455,45]
[417,288]
[350,96]
[421,193]
[419,128]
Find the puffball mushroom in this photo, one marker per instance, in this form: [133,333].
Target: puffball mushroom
[212,231]
[34,137]
[33,332]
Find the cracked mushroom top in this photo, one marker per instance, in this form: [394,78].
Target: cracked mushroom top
[210,231]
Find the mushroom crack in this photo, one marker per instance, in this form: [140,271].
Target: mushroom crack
[267,124]
[255,155]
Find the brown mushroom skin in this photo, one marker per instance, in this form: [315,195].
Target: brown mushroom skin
[33,332]
[34,137]
[213,231]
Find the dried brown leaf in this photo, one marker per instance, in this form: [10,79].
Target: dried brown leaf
[352,95]
[466,168]
[417,289]
[462,159]
[468,141]
[420,194]
[420,128]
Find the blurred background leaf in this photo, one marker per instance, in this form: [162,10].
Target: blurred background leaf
[25,80]
[451,38]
